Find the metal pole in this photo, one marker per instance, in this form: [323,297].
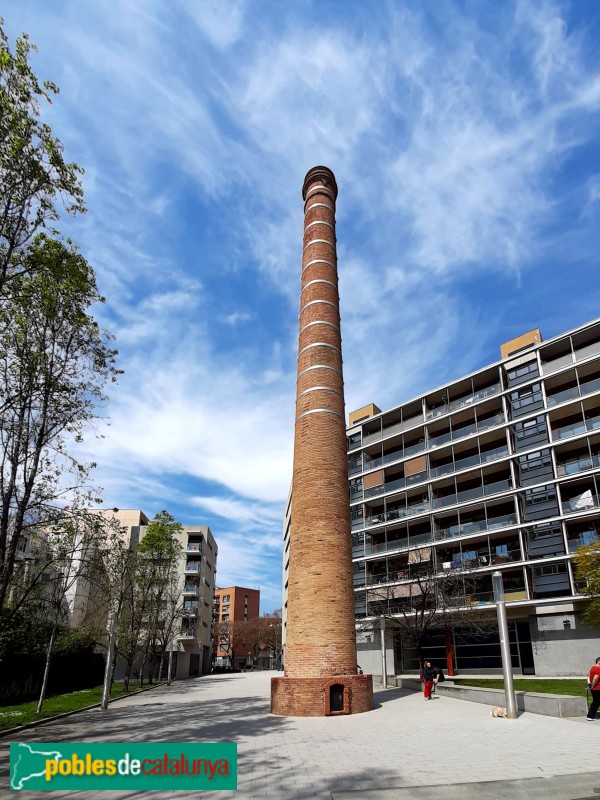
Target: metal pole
[109,658]
[383,658]
[170,665]
[511,705]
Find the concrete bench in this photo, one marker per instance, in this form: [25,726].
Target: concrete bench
[550,705]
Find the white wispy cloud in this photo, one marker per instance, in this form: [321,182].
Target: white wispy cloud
[450,133]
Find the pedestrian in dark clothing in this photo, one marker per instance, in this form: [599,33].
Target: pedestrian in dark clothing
[594,687]
[429,679]
[439,676]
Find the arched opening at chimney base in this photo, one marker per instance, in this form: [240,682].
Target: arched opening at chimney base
[336,698]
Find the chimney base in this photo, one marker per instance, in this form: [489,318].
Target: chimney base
[325,696]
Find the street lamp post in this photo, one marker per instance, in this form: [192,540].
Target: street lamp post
[511,706]
[383,653]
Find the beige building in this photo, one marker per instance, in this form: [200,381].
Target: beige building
[193,636]
[197,569]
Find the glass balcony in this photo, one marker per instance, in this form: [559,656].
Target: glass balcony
[467,528]
[574,429]
[575,465]
[562,397]
[194,547]
[192,566]
[469,461]
[392,486]
[586,352]
[585,388]
[590,386]
[399,513]
[586,538]
[557,363]
[583,502]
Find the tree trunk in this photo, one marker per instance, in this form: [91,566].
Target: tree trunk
[46,672]
[109,658]
[142,668]
[128,670]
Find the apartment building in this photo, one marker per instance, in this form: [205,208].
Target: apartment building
[197,571]
[233,604]
[193,638]
[499,470]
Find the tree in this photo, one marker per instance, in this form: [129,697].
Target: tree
[54,363]
[249,637]
[587,573]
[158,586]
[268,631]
[54,359]
[430,601]
[34,175]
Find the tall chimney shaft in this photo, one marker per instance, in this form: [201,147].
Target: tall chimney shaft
[320,665]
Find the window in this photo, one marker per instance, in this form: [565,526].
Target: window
[225,598]
[530,433]
[534,467]
[225,618]
[526,400]
[540,502]
[354,441]
[522,373]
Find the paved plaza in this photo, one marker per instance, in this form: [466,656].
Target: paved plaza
[395,751]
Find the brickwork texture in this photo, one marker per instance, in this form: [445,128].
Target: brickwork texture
[320,633]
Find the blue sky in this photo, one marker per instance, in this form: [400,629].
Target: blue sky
[465,138]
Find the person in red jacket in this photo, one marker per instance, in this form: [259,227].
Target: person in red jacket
[594,686]
[429,679]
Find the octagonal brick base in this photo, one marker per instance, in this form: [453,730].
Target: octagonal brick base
[311,697]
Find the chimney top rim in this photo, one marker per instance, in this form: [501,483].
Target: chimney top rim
[319,173]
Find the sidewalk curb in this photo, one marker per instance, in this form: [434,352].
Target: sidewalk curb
[65,714]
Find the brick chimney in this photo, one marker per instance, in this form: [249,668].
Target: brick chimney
[320,664]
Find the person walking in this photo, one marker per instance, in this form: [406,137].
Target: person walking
[594,687]
[429,679]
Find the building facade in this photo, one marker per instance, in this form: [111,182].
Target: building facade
[198,570]
[233,604]
[499,470]
[197,573]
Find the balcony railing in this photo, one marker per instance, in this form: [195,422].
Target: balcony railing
[590,537]
[475,527]
[192,567]
[393,486]
[585,388]
[399,513]
[562,397]
[467,430]
[586,352]
[399,544]
[575,428]
[461,402]
[471,494]
[564,361]
[583,502]
[469,461]
[573,465]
